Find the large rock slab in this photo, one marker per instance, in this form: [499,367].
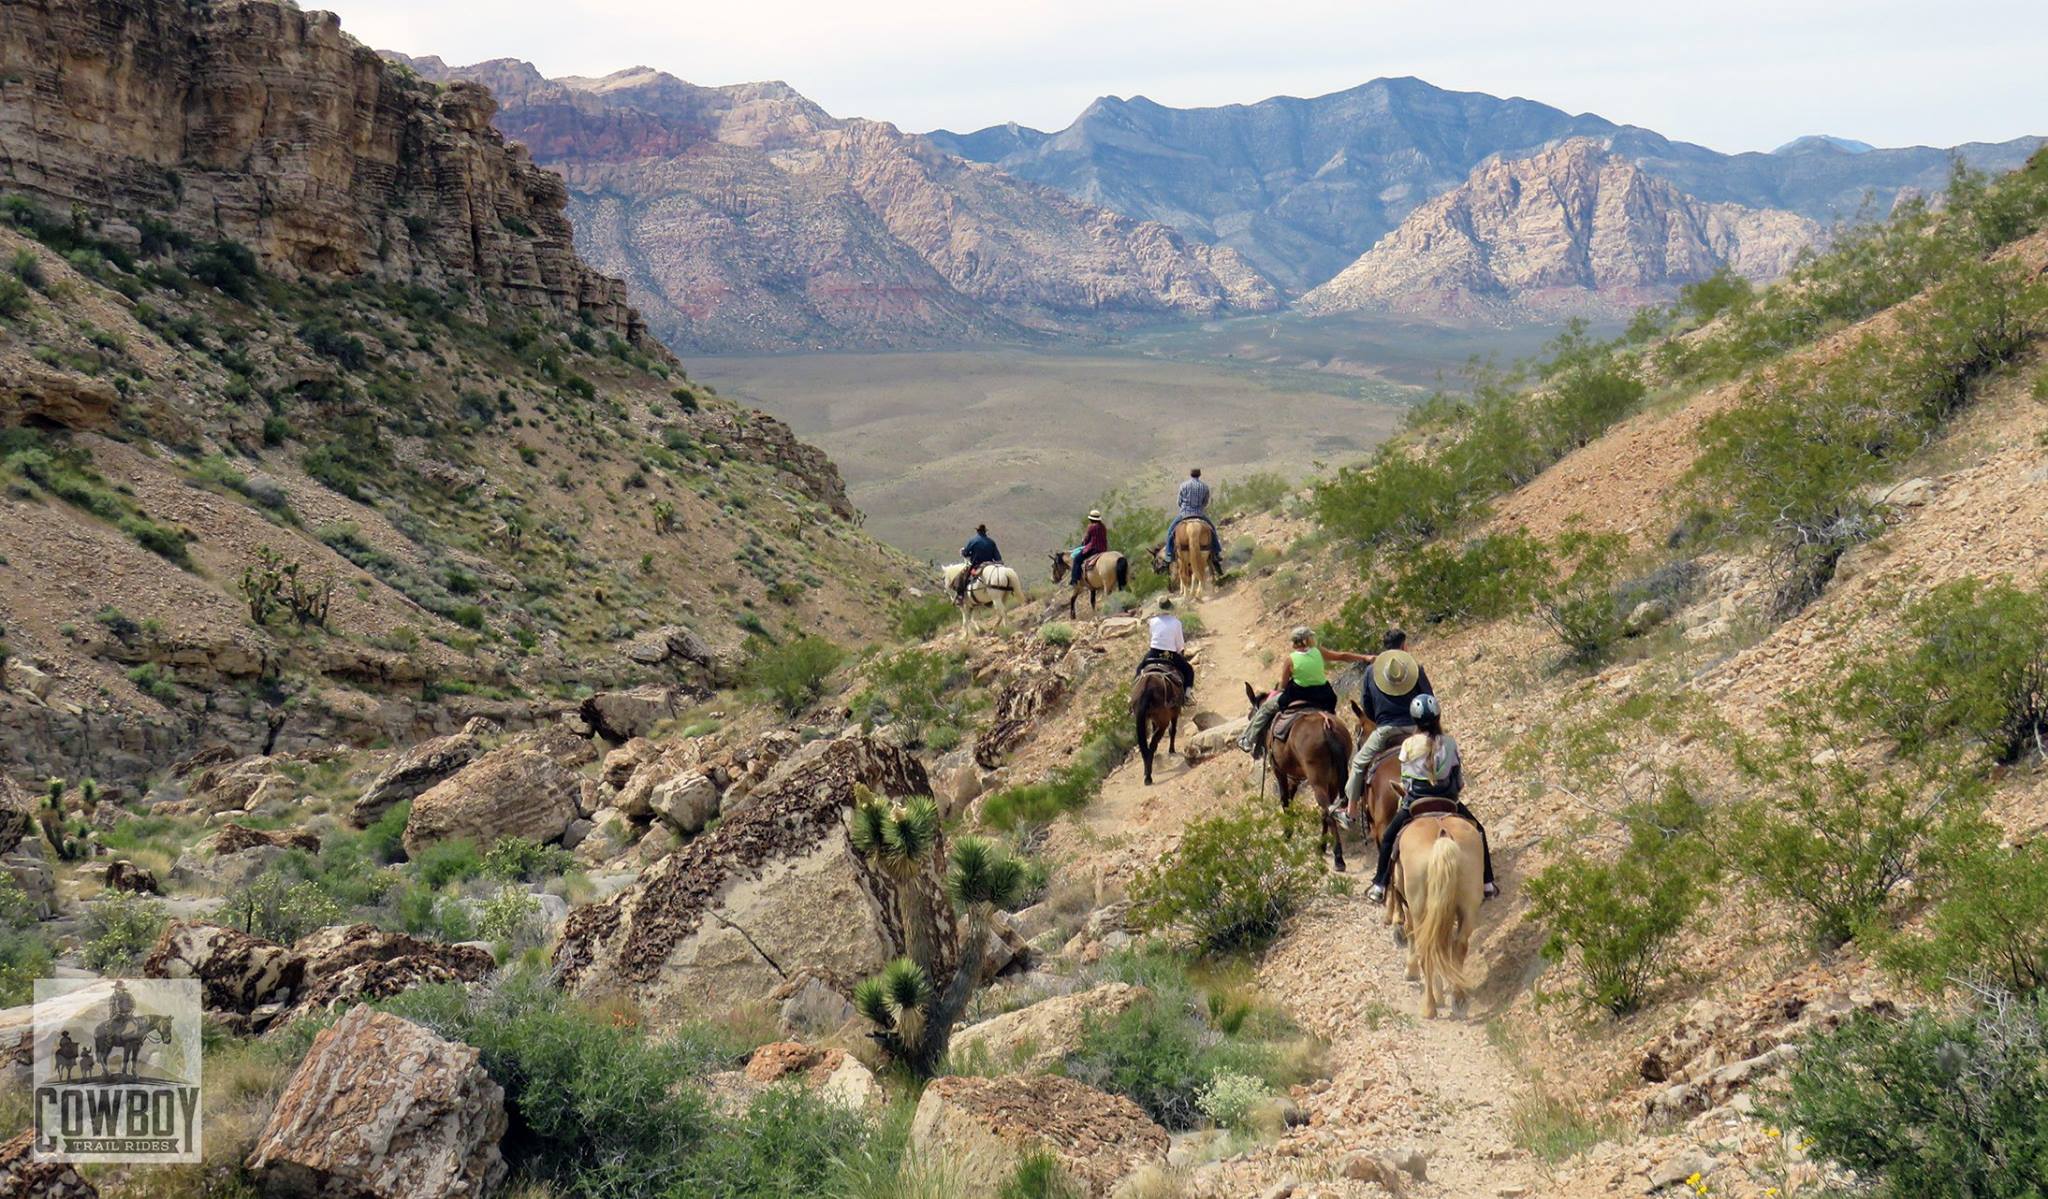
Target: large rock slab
[620,716]
[1037,1037]
[354,963]
[17,814]
[416,770]
[23,1177]
[381,1108]
[981,1126]
[774,891]
[237,973]
[511,791]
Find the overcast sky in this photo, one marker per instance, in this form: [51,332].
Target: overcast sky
[1734,75]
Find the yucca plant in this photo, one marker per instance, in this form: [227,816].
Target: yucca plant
[913,1017]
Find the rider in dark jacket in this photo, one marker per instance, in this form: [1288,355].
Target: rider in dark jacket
[979,551]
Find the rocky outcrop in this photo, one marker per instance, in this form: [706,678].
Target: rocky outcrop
[381,1108]
[33,392]
[17,814]
[235,838]
[981,1126]
[513,791]
[775,890]
[238,785]
[833,1075]
[263,124]
[620,716]
[237,973]
[1028,690]
[416,770]
[1037,1036]
[1572,225]
[748,217]
[360,962]
[22,1176]
[124,875]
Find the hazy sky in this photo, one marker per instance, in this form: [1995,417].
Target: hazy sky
[1734,75]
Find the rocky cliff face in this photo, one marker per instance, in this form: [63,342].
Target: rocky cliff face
[258,123]
[748,217]
[1301,187]
[1574,227]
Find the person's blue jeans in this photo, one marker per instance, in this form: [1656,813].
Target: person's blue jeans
[1215,539]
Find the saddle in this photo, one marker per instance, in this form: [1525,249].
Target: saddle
[1165,670]
[1283,722]
[1088,564]
[1429,805]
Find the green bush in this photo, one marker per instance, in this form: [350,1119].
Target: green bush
[923,618]
[512,917]
[918,691]
[1039,1175]
[1930,1106]
[521,859]
[1486,578]
[1617,922]
[24,957]
[444,862]
[278,909]
[119,929]
[1582,606]
[1261,491]
[1973,664]
[1230,1099]
[1106,741]
[1235,878]
[13,297]
[1988,925]
[791,676]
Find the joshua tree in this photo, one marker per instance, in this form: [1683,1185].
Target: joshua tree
[913,1017]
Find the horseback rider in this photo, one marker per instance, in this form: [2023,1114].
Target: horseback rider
[1094,541]
[1304,679]
[1194,505]
[1169,645]
[1389,689]
[1430,769]
[979,551]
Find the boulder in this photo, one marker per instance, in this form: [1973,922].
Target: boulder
[774,891]
[563,744]
[124,875]
[235,838]
[620,716]
[381,1108]
[239,786]
[1363,1166]
[981,1126]
[511,791]
[1034,1038]
[811,1007]
[621,763]
[22,1176]
[349,963]
[224,872]
[415,771]
[32,874]
[237,972]
[1216,739]
[17,814]
[686,801]
[610,834]
[25,678]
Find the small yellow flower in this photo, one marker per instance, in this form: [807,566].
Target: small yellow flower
[1806,1144]
[1769,1191]
[1770,1132]
[1694,1180]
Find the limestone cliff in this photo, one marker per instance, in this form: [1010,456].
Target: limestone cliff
[258,123]
[748,217]
[1575,227]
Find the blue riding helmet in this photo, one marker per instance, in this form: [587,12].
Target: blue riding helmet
[1424,705]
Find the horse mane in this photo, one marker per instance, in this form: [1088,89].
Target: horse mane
[951,573]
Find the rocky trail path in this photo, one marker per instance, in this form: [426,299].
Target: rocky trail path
[1395,1081]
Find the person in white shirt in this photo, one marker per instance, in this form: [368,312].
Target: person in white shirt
[1169,645]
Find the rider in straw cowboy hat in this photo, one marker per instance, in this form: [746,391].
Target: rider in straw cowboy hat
[1094,541]
[1395,679]
[1430,769]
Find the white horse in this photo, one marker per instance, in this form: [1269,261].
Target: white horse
[997,586]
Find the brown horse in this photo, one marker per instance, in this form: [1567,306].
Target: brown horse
[1436,894]
[1317,752]
[1104,573]
[1156,698]
[1383,790]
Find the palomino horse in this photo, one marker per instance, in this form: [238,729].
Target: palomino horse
[1317,752]
[1102,574]
[1383,790]
[1194,558]
[1156,697]
[1436,896]
[994,588]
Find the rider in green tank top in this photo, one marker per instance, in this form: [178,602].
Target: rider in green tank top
[1309,669]
[1306,680]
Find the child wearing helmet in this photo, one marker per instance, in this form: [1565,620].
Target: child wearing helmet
[1430,769]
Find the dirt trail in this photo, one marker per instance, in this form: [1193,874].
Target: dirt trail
[1395,1080]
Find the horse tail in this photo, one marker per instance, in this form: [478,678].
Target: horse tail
[1123,573]
[1442,875]
[1141,707]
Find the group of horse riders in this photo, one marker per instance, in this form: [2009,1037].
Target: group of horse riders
[1396,694]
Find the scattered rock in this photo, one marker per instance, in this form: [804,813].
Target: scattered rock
[686,801]
[381,1108]
[17,814]
[124,875]
[1034,1038]
[982,1125]
[234,838]
[24,1177]
[416,770]
[33,875]
[511,791]
[1216,739]
[357,962]
[1646,616]
[237,972]
[620,716]
[1675,1170]
[1364,1166]
[1414,1162]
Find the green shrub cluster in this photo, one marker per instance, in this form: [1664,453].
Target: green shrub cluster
[1987,925]
[1234,879]
[522,859]
[1932,1106]
[1616,920]
[925,694]
[278,909]
[1260,491]
[1105,742]
[791,675]
[24,953]
[1039,1175]
[119,929]
[923,618]
[30,456]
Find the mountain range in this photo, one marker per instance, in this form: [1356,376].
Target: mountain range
[1302,187]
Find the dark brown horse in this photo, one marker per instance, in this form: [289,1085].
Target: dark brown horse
[1317,752]
[1383,789]
[1156,698]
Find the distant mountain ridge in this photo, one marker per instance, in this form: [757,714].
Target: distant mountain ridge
[1302,187]
[1574,228]
[748,218]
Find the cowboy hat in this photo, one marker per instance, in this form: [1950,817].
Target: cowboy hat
[1094,514]
[1394,672]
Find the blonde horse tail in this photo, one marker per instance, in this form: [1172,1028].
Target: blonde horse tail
[1438,923]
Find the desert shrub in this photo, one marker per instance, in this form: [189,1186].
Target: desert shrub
[1261,491]
[1234,880]
[24,957]
[14,298]
[1836,839]
[789,1142]
[1588,389]
[1105,742]
[1553,1128]
[923,618]
[791,675]
[1617,921]
[1973,664]
[1485,578]
[1230,1098]
[920,692]
[444,862]
[277,909]
[1039,1175]
[1582,606]
[521,859]
[512,917]
[1988,925]
[1057,632]
[227,266]
[1929,1106]
[119,929]
[328,339]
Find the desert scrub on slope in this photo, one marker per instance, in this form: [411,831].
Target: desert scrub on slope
[925,694]
[792,675]
[1105,742]
[1234,879]
[119,929]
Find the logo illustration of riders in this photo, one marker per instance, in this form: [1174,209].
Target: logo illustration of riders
[117,1070]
